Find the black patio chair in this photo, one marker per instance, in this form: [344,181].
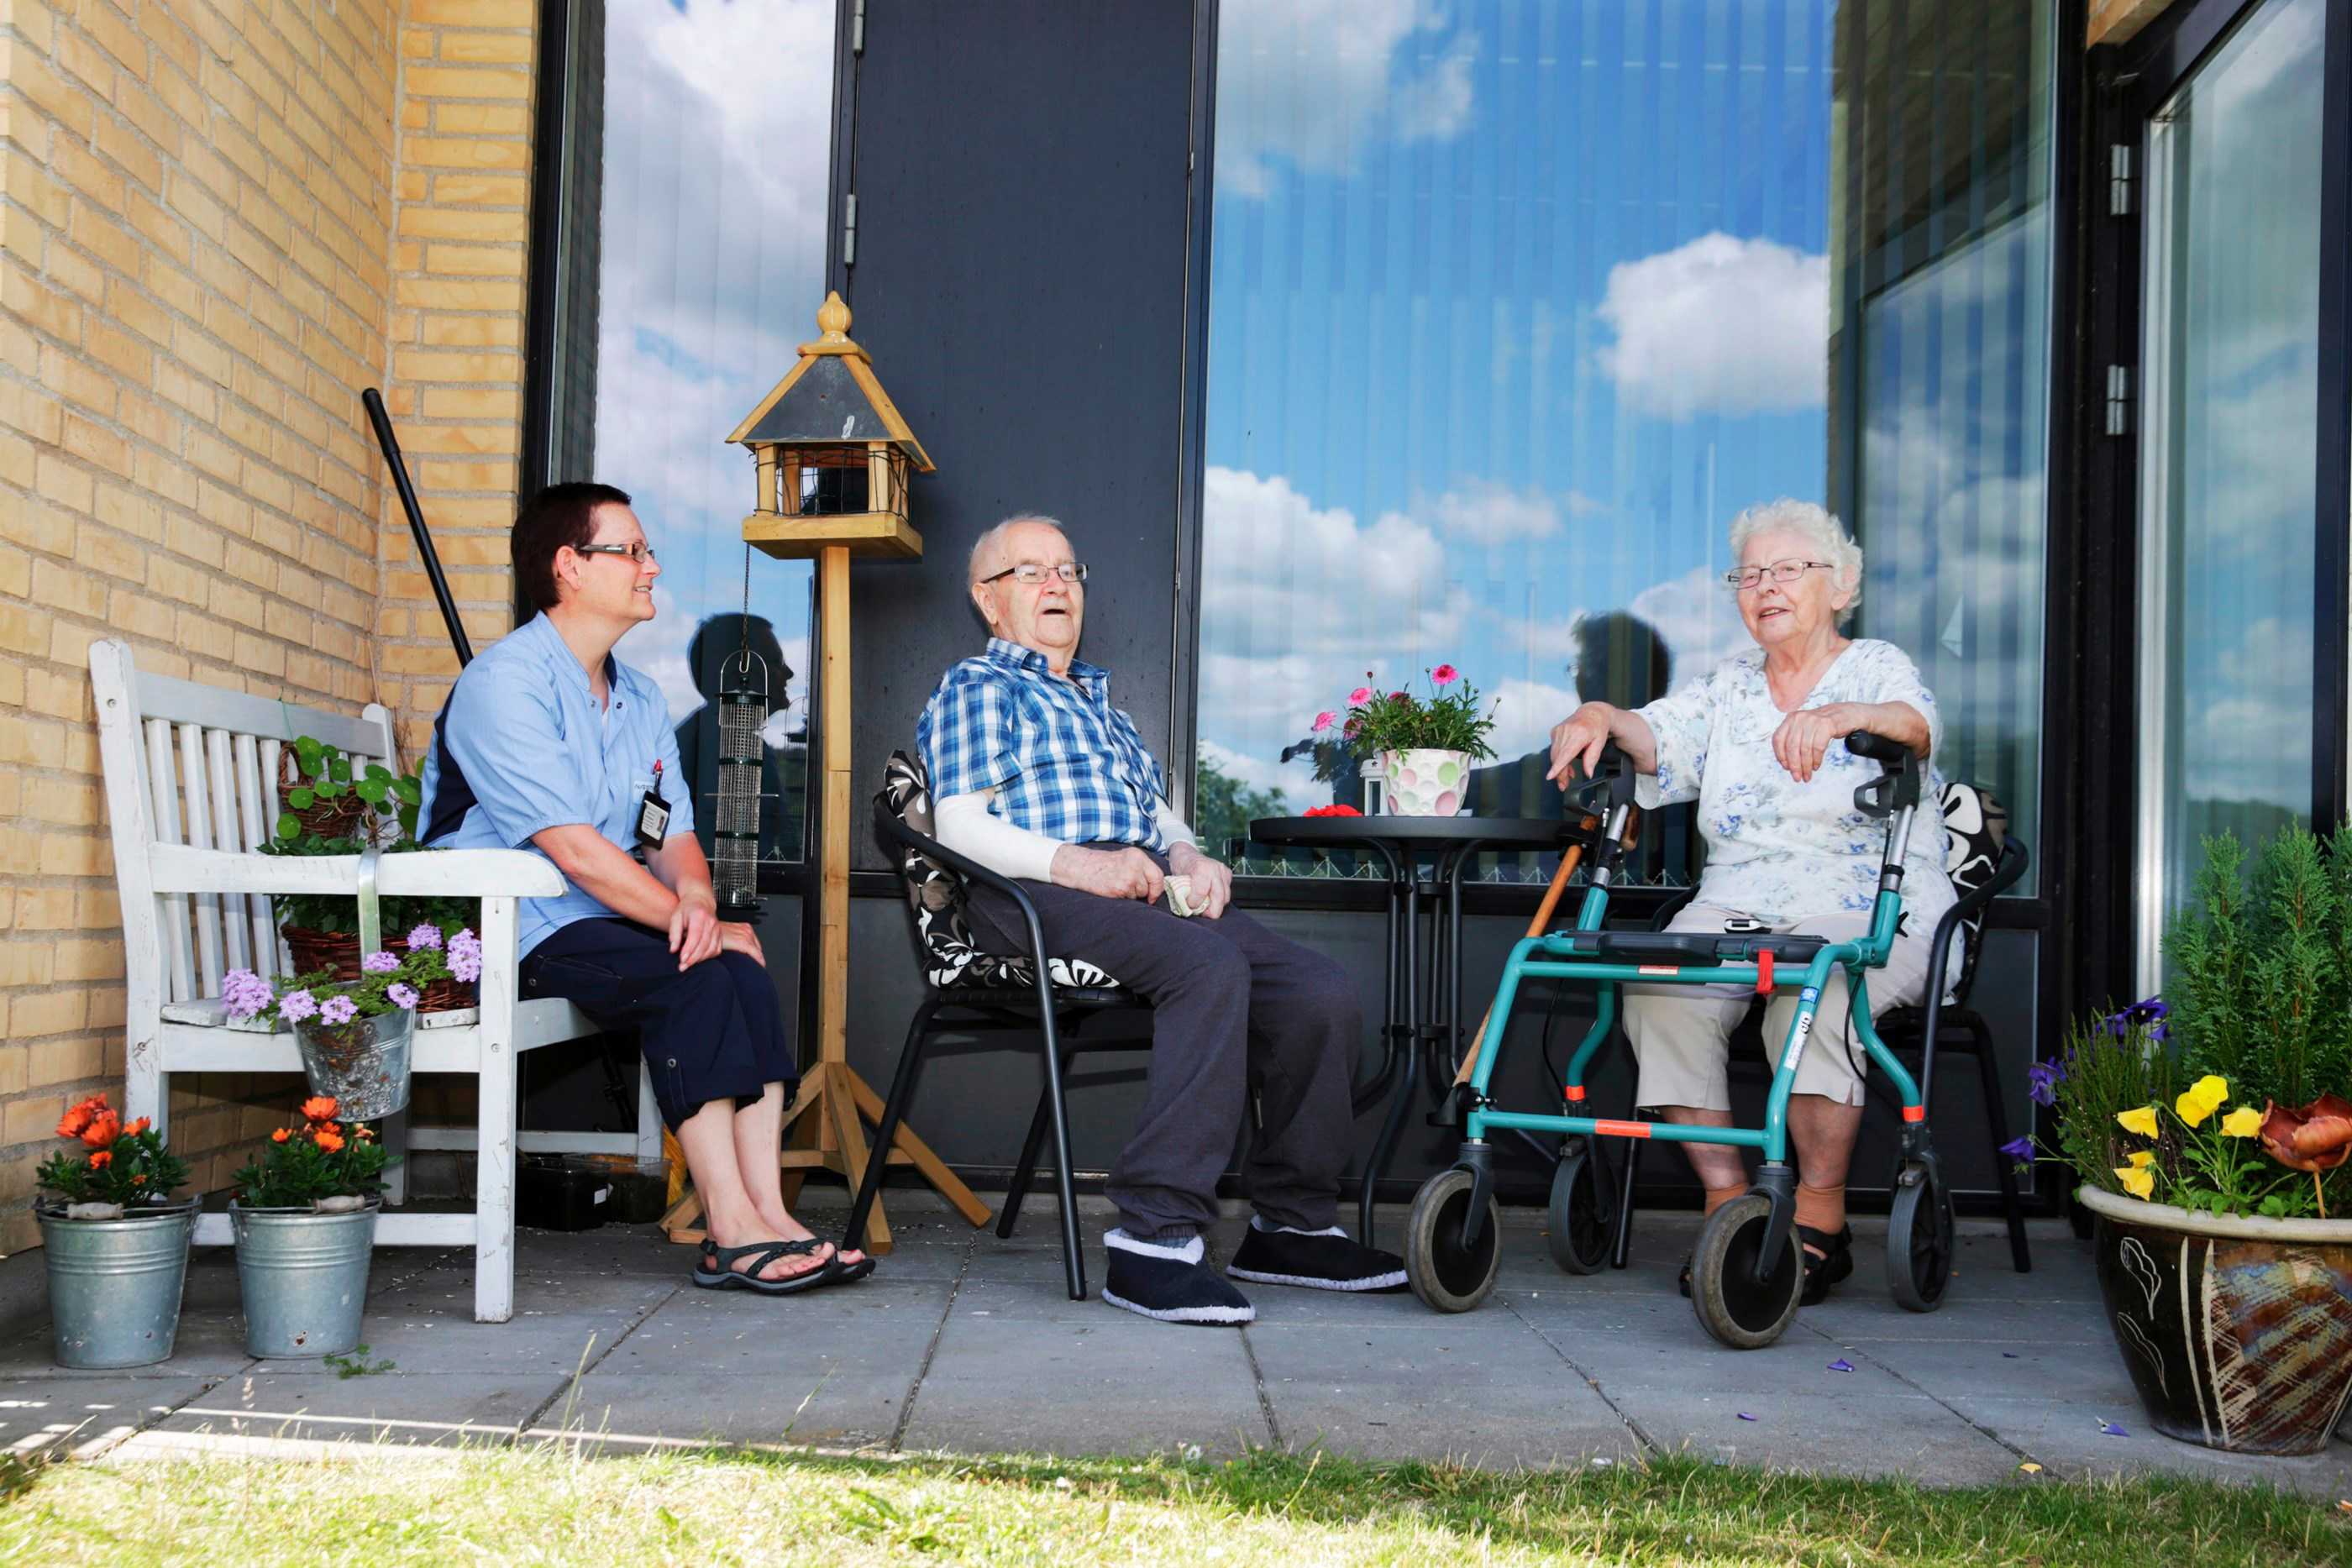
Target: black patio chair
[972,989]
[1982,861]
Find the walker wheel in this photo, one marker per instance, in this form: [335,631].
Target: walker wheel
[1731,1304]
[1919,1245]
[1442,1272]
[1583,1217]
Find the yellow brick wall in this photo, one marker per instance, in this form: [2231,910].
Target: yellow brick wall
[220,219]
[460,224]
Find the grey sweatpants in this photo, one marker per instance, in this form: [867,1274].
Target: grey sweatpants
[1233,1005]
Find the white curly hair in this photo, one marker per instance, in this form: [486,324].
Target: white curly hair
[1826,534]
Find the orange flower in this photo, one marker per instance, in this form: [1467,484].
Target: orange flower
[280,1135]
[362,1131]
[330,1140]
[103,1130]
[100,1160]
[319,1108]
[139,1181]
[134,1129]
[2315,1137]
[71,1124]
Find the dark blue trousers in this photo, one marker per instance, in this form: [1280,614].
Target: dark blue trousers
[714,1031]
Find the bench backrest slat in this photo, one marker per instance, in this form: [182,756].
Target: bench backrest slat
[205,764]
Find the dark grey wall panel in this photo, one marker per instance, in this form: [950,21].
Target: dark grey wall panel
[1019,279]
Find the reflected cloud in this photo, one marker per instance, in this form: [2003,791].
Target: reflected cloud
[1720,325]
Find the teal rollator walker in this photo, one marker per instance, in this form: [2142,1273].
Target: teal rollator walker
[1748,1268]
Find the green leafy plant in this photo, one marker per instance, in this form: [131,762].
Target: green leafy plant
[320,1158]
[1377,721]
[328,774]
[125,1165]
[357,1365]
[386,817]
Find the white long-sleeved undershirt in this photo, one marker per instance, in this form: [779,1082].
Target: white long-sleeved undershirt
[968,827]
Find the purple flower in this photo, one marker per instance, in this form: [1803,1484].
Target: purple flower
[425,935]
[246,993]
[338,1010]
[403,996]
[2042,1081]
[466,955]
[380,963]
[296,1006]
[2019,1149]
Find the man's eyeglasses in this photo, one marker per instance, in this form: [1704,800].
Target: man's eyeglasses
[1029,574]
[637,551]
[1783,571]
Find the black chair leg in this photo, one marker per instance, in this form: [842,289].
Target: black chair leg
[1026,1172]
[1996,1114]
[1074,1263]
[902,1089]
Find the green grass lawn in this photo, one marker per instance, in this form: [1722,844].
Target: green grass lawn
[547,1504]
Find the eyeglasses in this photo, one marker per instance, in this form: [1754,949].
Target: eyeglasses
[1029,574]
[637,551]
[1750,577]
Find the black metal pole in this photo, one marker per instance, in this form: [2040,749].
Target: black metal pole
[425,550]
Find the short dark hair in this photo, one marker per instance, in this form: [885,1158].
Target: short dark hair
[561,517]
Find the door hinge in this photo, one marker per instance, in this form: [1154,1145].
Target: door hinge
[849,230]
[2118,400]
[2119,180]
[858,29]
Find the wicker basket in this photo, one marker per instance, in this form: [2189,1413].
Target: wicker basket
[344,817]
[339,951]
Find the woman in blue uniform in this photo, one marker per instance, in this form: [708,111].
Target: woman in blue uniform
[549,743]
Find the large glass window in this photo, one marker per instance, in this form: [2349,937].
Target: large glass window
[708,125]
[1512,306]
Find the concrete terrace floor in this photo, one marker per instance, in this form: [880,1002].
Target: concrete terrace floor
[964,1344]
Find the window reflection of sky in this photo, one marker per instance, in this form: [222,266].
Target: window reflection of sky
[1510,308]
[718,116]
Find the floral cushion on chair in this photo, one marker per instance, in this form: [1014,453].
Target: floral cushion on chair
[936,895]
[1976,826]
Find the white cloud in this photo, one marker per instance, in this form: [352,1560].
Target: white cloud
[1720,325]
[1696,619]
[1491,513]
[1524,712]
[1312,83]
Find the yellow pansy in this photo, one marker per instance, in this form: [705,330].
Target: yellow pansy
[2142,1160]
[2244,1122]
[2141,1120]
[2138,1180]
[2201,1099]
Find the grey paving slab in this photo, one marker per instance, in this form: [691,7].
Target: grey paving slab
[432,1407]
[1821,1434]
[1106,1382]
[1498,1397]
[2069,1439]
[2020,1369]
[85,1413]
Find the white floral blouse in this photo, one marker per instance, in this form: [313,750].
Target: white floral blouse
[1780,851]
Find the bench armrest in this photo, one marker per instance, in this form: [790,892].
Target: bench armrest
[441,873]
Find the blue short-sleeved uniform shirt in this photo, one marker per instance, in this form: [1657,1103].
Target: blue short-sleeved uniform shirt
[522,744]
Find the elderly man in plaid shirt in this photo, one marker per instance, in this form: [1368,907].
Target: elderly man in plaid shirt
[1036,776]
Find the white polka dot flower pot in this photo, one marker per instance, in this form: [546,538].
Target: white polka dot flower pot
[1426,782]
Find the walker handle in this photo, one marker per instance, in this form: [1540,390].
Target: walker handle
[1893,790]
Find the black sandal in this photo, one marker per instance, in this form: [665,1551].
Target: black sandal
[1835,1262]
[716,1270]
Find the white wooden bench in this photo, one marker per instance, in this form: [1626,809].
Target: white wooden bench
[192,789]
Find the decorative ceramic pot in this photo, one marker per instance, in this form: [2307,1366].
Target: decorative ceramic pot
[303,1276]
[363,1065]
[1425,782]
[2238,1332]
[115,1284]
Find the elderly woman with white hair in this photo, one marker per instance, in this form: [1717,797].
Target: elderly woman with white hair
[1759,742]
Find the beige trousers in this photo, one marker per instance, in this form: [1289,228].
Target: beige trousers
[1681,1033]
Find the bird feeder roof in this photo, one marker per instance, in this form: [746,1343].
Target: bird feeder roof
[830,397]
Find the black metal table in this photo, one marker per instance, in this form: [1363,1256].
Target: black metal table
[1415,1036]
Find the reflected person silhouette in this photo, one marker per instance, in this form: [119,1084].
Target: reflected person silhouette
[783,768]
[1620,660]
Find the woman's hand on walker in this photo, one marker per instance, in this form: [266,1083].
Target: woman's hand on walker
[1577,740]
[693,929]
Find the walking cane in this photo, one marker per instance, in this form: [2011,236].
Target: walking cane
[1569,861]
[373,401]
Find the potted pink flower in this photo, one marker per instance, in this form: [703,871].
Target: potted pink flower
[1420,749]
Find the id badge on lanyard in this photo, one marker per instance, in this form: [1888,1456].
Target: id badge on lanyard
[653,814]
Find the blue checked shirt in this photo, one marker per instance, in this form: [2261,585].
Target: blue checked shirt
[1062,760]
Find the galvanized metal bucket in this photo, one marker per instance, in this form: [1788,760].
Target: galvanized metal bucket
[303,1277]
[115,1285]
[362,1063]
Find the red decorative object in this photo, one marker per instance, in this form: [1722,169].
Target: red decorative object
[1333,812]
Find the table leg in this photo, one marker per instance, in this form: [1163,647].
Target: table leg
[1407,1065]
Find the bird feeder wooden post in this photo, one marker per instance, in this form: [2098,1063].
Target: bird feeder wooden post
[833,457]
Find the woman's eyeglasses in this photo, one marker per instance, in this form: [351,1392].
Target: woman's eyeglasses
[1784,571]
[637,551]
